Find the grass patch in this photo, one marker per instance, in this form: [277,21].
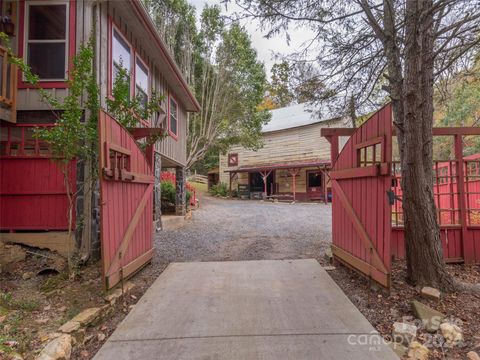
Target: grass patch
[53,282]
[71,313]
[199,186]
[8,302]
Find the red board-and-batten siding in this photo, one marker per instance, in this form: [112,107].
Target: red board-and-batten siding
[106,12]
[119,202]
[367,196]
[33,195]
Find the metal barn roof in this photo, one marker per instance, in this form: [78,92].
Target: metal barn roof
[294,116]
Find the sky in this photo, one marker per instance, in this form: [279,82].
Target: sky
[266,48]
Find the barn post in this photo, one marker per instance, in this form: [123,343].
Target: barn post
[180,208]
[325,191]
[265,175]
[294,173]
[467,241]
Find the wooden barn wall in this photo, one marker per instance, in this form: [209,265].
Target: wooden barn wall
[86,13]
[296,144]
[283,179]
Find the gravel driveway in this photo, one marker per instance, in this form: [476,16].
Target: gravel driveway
[224,229]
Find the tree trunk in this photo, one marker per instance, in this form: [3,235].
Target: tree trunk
[351,112]
[425,263]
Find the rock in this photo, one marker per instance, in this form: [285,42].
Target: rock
[452,333]
[398,349]
[431,318]
[42,321]
[69,327]
[404,333]
[78,337]
[417,351]
[87,339]
[101,336]
[328,253]
[57,349]
[88,316]
[10,254]
[430,293]
[27,275]
[114,295]
[329,268]
[472,355]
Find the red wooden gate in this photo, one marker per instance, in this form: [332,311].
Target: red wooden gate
[367,230]
[33,195]
[360,208]
[126,188]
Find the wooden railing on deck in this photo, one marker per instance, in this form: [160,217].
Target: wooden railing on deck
[8,88]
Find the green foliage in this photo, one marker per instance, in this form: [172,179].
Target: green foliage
[209,162]
[72,137]
[8,302]
[188,195]
[222,67]
[279,87]
[462,108]
[176,22]
[130,111]
[168,192]
[220,189]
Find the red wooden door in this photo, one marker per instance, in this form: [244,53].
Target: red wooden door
[360,208]
[126,187]
[315,183]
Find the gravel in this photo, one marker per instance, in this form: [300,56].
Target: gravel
[224,229]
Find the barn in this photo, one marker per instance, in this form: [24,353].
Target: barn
[293,162]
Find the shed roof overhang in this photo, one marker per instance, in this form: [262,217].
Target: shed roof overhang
[173,76]
[286,165]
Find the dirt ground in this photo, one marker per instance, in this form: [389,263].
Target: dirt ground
[33,307]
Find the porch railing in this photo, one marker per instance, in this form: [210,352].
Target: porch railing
[8,88]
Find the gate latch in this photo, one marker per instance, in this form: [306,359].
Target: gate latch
[392,197]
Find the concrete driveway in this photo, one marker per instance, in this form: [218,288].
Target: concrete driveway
[271,309]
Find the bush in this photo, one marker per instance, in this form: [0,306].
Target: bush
[219,189]
[168,192]
[188,195]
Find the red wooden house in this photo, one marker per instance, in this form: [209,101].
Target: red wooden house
[33,201]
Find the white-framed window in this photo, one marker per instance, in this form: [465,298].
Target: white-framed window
[141,81]
[121,55]
[46,39]
[173,117]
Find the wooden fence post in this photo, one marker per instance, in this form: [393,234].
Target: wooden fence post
[467,241]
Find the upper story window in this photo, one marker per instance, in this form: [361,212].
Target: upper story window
[141,81]
[121,56]
[46,40]
[173,118]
